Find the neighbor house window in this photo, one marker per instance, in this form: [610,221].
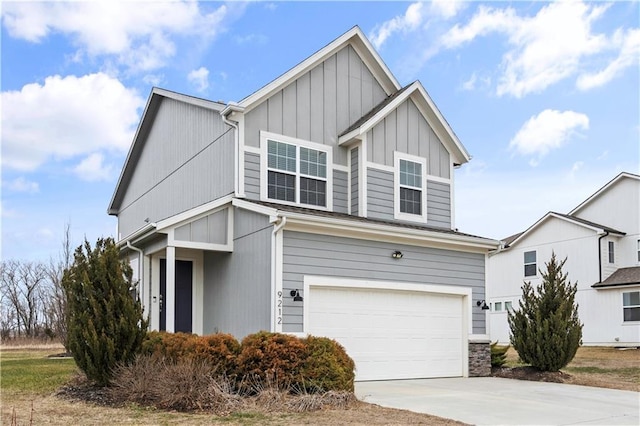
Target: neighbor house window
[297,172]
[631,306]
[497,306]
[612,256]
[530,266]
[410,191]
[508,306]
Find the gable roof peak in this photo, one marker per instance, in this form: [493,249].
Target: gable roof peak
[595,195]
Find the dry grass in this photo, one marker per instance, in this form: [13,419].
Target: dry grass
[599,366]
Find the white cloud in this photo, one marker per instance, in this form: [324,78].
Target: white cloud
[547,131]
[75,116]
[475,82]
[551,46]
[411,20]
[21,184]
[93,169]
[199,78]
[137,34]
[446,8]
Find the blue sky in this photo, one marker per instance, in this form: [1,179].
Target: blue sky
[545,96]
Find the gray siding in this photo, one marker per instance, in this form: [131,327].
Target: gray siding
[355,178]
[438,204]
[310,254]
[379,194]
[252,175]
[406,130]
[340,188]
[187,160]
[237,286]
[210,229]
[320,104]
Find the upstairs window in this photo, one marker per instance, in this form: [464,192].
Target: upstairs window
[297,172]
[631,306]
[410,192]
[612,256]
[530,265]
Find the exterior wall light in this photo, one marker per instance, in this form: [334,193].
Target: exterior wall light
[483,304]
[396,254]
[296,295]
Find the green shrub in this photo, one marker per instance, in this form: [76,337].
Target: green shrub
[546,330]
[105,324]
[326,367]
[271,358]
[498,354]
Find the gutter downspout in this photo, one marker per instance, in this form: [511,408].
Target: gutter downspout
[279,223]
[140,266]
[600,255]
[236,148]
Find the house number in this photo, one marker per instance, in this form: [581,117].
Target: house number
[279,308]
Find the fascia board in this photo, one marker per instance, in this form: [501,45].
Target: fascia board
[193,213]
[375,231]
[137,234]
[353,36]
[256,208]
[544,219]
[604,189]
[191,100]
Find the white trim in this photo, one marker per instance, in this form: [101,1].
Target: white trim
[170,291]
[363,178]
[241,149]
[256,208]
[252,149]
[397,214]
[310,281]
[382,167]
[279,259]
[452,196]
[341,168]
[327,149]
[349,173]
[439,179]
[194,213]
[155,292]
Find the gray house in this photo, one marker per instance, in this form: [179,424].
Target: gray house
[321,204]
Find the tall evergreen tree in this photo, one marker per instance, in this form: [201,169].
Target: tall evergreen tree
[546,331]
[105,324]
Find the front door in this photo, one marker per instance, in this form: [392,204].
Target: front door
[183,295]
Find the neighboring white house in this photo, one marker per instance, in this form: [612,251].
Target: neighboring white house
[601,240]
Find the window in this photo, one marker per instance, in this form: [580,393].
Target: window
[497,306]
[612,257]
[631,306]
[508,306]
[530,267]
[410,191]
[638,250]
[297,172]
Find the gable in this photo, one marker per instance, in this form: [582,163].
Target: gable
[553,229]
[406,130]
[319,104]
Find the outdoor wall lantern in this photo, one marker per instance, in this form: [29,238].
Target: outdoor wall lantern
[296,295]
[483,304]
[397,254]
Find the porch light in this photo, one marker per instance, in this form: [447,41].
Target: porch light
[296,295]
[483,304]
[396,254]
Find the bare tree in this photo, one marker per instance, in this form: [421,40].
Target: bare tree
[57,300]
[23,285]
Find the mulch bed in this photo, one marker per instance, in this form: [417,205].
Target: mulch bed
[81,389]
[530,373]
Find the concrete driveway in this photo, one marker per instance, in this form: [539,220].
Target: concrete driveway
[492,400]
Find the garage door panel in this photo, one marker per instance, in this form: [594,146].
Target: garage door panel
[389,333]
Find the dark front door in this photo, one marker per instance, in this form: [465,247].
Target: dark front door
[183,294]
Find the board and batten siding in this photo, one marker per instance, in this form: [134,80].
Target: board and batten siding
[406,130]
[210,229]
[355,179]
[187,160]
[329,256]
[320,104]
[237,286]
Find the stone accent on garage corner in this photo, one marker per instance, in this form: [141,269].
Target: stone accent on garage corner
[479,357]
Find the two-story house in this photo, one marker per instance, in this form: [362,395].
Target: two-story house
[320,204]
[600,239]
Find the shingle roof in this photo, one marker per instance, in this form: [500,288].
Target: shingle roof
[345,216]
[374,111]
[623,276]
[588,223]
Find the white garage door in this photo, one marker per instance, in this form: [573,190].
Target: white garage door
[391,334]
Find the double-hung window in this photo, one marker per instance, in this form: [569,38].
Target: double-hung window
[410,191]
[612,256]
[631,306]
[297,172]
[530,264]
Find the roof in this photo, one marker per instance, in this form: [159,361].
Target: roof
[510,241]
[153,103]
[623,276]
[345,216]
[599,192]
[427,108]
[354,37]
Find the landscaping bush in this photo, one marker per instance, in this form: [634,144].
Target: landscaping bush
[270,357]
[498,354]
[326,367]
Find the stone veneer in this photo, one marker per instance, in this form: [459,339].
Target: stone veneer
[479,358]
